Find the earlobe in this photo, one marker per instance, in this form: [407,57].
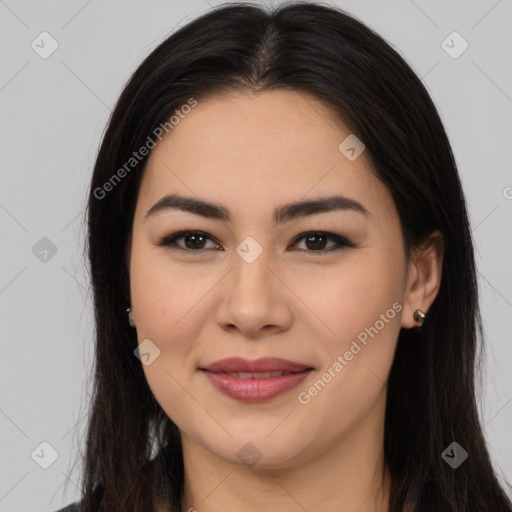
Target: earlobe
[131,317]
[424,280]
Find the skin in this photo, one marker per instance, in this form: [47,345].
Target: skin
[252,153]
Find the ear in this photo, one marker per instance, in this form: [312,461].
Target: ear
[131,318]
[423,278]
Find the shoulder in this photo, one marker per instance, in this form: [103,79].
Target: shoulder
[73,507]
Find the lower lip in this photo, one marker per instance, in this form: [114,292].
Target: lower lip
[255,390]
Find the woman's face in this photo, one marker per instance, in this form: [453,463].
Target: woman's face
[252,287]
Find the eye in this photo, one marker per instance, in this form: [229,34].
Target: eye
[195,241]
[317,241]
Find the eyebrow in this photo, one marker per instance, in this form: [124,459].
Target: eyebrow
[282,214]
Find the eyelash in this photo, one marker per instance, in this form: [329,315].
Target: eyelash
[169,241]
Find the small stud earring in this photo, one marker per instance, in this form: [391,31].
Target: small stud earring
[419,316]
[131,318]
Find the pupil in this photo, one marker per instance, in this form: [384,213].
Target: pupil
[193,237]
[312,237]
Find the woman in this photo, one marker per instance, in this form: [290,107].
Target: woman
[284,280]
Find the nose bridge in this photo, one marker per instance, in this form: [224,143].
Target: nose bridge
[251,263]
[252,299]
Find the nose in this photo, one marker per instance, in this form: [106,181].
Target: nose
[254,299]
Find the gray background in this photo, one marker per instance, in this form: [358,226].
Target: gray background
[53,114]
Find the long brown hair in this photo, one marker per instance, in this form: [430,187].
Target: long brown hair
[324,52]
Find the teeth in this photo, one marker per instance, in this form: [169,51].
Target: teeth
[256,375]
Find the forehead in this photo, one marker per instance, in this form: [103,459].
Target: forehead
[247,150]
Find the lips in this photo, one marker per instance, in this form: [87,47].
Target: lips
[255,381]
[256,375]
[258,366]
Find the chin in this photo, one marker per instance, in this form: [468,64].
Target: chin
[259,451]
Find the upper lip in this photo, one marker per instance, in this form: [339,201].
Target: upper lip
[264,364]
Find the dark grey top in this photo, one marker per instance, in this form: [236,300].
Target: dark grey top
[73,507]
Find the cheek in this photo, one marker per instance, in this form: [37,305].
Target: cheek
[166,294]
[169,310]
[360,305]
[351,296]
[171,314]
